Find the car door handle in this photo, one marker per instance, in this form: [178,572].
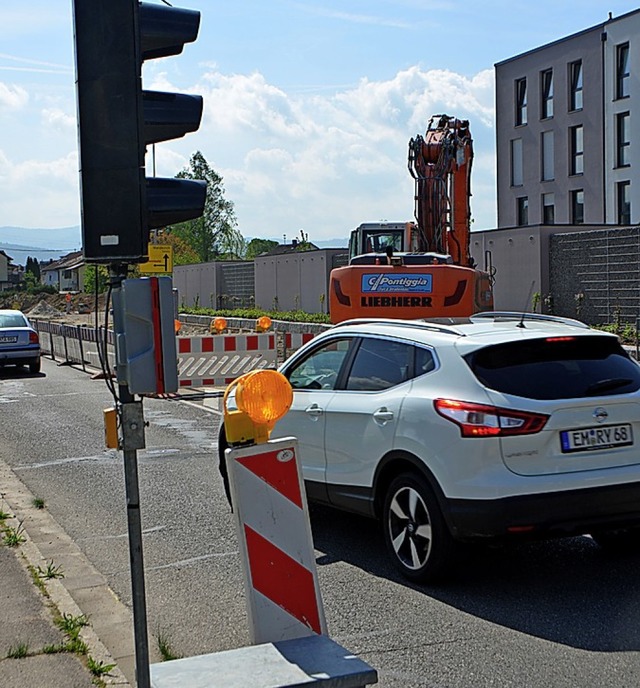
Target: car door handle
[382,416]
[314,411]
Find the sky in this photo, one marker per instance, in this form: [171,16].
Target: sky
[308,104]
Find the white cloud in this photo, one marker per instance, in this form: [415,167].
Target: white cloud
[12,97]
[55,118]
[324,162]
[327,163]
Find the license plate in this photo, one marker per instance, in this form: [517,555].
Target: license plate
[4,339]
[604,437]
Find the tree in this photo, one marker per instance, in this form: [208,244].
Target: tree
[183,254]
[93,273]
[257,246]
[32,266]
[215,232]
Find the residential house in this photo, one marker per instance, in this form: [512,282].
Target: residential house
[5,269]
[65,274]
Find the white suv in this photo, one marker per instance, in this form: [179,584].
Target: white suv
[506,426]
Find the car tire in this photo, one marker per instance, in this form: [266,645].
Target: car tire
[618,541]
[415,532]
[34,366]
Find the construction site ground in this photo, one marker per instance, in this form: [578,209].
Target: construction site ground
[54,307]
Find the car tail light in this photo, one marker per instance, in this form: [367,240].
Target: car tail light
[33,338]
[480,420]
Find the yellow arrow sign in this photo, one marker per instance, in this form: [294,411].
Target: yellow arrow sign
[160,259]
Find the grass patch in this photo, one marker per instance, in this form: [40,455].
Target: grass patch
[98,668]
[51,571]
[163,642]
[4,516]
[14,536]
[71,625]
[38,503]
[18,651]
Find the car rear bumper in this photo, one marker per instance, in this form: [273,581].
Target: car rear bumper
[566,513]
[18,356]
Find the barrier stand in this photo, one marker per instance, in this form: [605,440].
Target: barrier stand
[286,617]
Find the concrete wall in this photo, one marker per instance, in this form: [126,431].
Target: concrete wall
[287,282]
[595,275]
[560,262]
[296,281]
[224,284]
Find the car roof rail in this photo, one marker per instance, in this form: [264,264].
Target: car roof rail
[520,316]
[422,324]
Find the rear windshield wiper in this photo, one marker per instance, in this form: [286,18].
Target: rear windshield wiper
[607,385]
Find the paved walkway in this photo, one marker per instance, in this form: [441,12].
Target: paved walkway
[27,614]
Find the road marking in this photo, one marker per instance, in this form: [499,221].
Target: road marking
[121,536]
[182,562]
[110,456]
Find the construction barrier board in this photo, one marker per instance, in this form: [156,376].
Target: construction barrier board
[276,545]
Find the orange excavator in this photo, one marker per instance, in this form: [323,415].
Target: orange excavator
[423,268]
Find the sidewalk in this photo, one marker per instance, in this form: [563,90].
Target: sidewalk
[27,613]
[27,624]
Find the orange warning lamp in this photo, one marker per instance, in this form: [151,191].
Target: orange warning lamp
[219,325]
[262,398]
[263,323]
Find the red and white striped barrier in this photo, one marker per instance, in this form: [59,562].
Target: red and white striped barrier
[219,360]
[283,596]
[294,340]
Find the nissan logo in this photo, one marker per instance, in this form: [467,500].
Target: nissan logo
[600,414]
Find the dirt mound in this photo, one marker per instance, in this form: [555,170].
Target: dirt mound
[44,310]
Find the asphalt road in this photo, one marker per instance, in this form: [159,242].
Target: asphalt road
[542,615]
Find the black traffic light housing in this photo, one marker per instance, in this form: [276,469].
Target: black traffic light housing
[117,120]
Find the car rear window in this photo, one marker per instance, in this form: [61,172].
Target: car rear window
[557,368]
[12,320]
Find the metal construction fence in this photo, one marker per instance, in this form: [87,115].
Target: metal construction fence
[203,360]
[75,344]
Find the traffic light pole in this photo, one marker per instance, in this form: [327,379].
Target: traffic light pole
[132,427]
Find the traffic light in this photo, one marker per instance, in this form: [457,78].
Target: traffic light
[117,120]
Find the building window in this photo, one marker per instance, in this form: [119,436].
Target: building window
[547,156]
[575,82]
[624,203]
[623,140]
[546,84]
[622,70]
[522,209]
[548,209]
[577,207]
[576,152]
[521,102]
[516,163]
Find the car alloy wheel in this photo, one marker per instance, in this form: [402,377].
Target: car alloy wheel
[415,532]
[410,528]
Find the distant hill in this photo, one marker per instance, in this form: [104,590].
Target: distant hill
[43,244]
[19,254]
[67,238]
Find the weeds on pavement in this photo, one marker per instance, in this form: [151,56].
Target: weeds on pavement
[98,668]
[51,571]
[18,651]
[164,645]
[14,536]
